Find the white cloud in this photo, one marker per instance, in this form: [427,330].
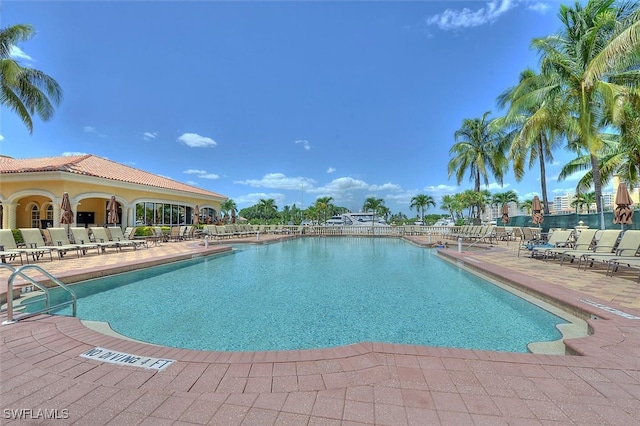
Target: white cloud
[147,136]
[253,198]
[304,143]
[340,185]
[539,7]
[1,138]
[329,170]
[72,153]
[194,140]
[441,189]
[279,181]
[452,19]
[496,187]
[89,129]
[202,174]
[385,187]
[192,183]
[17,53]
[209,176]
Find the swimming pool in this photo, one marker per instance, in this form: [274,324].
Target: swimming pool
[314,293]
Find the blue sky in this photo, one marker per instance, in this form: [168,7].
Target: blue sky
[283,100]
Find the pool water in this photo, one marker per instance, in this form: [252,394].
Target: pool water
[315,293]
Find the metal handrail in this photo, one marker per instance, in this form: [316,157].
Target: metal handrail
[19,273]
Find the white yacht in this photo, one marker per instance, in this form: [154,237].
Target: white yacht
[356,219]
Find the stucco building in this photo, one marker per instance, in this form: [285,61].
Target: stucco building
[31,191]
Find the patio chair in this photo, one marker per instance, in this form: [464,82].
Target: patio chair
[60,238]
[100,236]
[555,240]
[605,243]
[175,234]
[630,263]
[583,242]
[627,247]
[118,237]
[33,239]
[528,239]
[9,243]
[80,235]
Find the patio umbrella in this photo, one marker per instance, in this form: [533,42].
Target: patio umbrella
[505,213]
[623,212]
[536,208]
[67,214]
[196,215]
[112,211]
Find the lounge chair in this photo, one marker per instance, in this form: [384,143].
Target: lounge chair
[631,263]
[175,234]
[528,239]
[33,239]
[606,243]
[60,238]
[9,243]
[80,235]
[100,235]
[583,243]
[556,239]
[627,247]
[118,237]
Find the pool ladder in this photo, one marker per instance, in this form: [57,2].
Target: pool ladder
[18,272]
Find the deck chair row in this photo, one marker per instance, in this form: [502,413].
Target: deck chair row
[36,248]
[612,249]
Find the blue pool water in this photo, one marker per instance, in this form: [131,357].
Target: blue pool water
[315,293]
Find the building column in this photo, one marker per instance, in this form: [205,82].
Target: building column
[57,214]
[9,219]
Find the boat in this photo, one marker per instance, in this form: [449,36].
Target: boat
[356,219]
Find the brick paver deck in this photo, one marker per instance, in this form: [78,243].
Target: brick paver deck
[365,383]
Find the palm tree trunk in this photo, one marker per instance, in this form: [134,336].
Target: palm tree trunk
[543,175]
[597,185]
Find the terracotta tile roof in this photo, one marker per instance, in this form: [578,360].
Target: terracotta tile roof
[92,165]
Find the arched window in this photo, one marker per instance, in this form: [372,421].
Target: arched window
[35,216]
[50,212]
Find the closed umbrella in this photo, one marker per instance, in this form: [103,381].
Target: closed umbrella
[112,211]
[233,216]
[67,214]
[536,208]
[505,213]
[623,213]
[196,215]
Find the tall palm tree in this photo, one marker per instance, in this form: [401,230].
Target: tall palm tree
[533,126]
[422,201]
[501,198]
[373,204]
[582,200]
[592,59]
[479,150]
[24,90]
[228,206]
[267,208]
[324,205]
[453,205]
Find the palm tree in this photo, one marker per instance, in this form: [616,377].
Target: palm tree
[582,200]
[267,208]
[422,201]
[479,149]
[24,90]
[373,204]
[501,198]
[590,60]
[323,204]
[533,125]
[452,204]
[228,206]
[527,205]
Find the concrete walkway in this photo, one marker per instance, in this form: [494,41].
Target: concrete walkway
[366,383]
